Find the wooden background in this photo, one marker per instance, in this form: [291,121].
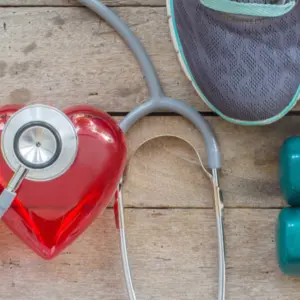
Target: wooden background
[56,52]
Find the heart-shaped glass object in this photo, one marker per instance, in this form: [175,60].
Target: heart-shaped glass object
[50,215]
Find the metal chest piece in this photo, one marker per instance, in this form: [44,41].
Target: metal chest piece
[42,139]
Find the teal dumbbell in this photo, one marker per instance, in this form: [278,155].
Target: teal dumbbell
[288,241]
[289,171]
[288,225]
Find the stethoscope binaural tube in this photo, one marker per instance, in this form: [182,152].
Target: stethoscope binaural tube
[159,102]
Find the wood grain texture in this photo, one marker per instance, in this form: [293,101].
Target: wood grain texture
[75,3]
[67,56]
[165,172]
[164,266]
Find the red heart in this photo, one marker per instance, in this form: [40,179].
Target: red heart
[48,216]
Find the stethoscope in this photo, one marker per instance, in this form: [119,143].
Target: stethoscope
[61,139]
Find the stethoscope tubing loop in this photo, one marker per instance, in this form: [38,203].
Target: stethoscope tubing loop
[177,106]
[159,102]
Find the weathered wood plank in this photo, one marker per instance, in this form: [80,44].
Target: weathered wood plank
[165,173]
[164,266]
[67,56]
[75,2]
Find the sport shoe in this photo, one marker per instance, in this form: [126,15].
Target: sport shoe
[242,56]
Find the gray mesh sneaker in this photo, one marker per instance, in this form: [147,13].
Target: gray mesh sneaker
[242,56]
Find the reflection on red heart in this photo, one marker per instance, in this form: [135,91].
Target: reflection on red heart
[48,216]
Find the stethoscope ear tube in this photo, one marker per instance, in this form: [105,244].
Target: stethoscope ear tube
[159,102]
[219,211]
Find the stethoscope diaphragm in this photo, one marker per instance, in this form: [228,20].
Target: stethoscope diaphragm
[42,139]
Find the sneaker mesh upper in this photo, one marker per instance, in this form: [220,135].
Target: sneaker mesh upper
[248,68]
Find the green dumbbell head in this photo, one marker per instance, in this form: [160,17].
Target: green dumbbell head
[289,171]
[288,241]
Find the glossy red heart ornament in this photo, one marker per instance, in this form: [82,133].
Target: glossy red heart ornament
[50,215]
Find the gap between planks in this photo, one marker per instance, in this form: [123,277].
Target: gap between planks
[164,172]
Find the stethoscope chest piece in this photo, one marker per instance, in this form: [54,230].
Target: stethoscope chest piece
[58,171]
[41,139]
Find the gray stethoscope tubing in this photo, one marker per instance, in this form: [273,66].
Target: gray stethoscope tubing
[159,102]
